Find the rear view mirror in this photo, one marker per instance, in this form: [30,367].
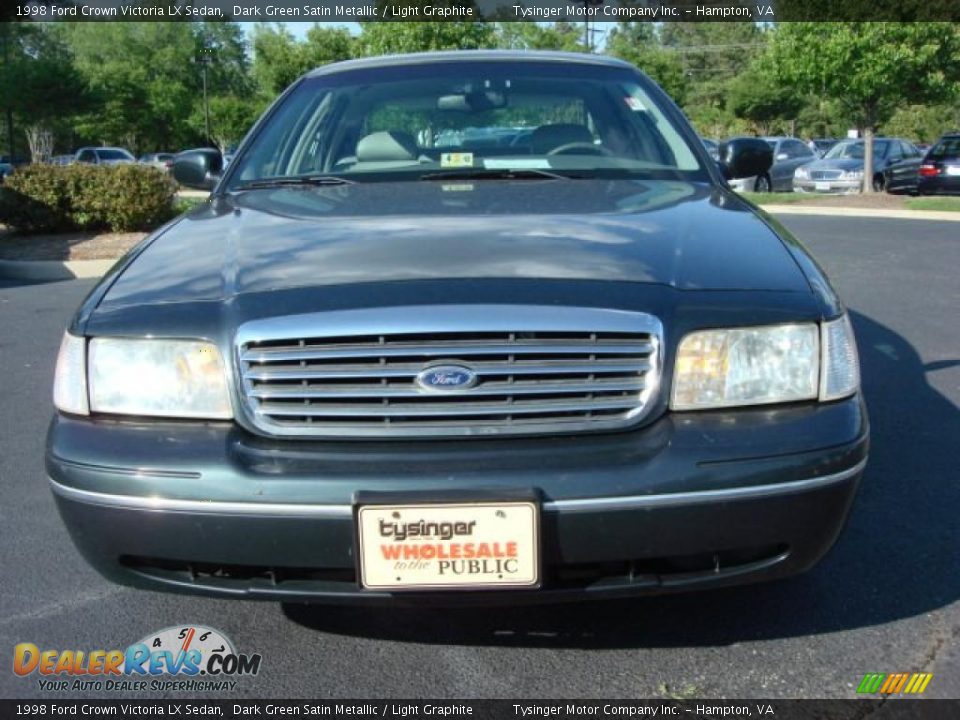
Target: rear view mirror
[745,157]
[478,101]
[199,169]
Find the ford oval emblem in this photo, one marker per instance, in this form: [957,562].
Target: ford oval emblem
[447,378]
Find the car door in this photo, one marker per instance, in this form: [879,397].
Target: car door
[909,167]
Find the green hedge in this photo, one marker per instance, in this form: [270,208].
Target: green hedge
[122,198]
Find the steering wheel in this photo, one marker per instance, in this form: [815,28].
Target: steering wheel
[597,149]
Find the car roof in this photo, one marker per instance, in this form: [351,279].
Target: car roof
[448,56]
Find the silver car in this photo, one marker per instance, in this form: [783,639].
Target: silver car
[840,171]
[161,161]
[788,154]
[105,156]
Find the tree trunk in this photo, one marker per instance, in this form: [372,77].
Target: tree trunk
[870,121]
[40,141]
[7,35]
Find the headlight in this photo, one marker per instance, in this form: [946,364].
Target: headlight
[801,173]
[746,366]
[169,378]
[841,365]
[70,377]
[763,365]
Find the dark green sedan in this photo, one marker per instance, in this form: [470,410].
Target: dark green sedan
[461,327]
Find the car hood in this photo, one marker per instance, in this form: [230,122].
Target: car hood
[686,235]
[838,164]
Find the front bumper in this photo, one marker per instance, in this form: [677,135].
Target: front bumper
[691,500]
[834,187]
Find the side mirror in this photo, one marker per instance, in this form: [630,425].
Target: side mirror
[745,157]
[199,169]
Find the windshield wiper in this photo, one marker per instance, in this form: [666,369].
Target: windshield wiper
[496,174]
[288,180]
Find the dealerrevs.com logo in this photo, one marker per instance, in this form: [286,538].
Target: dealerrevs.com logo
[186,657]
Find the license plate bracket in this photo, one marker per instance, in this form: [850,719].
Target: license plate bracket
[416,543]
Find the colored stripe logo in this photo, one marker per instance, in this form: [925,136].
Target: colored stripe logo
[894,683]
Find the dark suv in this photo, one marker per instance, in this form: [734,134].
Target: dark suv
[468,326]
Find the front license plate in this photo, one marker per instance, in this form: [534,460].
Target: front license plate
[822,185]
[449,546]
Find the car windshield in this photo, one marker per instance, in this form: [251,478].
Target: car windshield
[470,118]
[946,148]
[113,154]
[854,150]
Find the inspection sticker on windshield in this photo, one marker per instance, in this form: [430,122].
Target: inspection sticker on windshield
[634,104]
[456,160]
[449,546]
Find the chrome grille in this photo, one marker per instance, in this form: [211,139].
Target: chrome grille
[825,174]
[538,370]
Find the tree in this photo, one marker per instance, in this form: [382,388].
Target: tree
[755,96]
[279,59]
[143,77]
[230,119]
[38,84]
[561,35]
[871,68]
[385,38]
[639,44]
[923,123]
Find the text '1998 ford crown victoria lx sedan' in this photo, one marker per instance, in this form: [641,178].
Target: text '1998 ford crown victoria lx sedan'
[461,327]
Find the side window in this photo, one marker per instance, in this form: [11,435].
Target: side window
[85,157]
[797,149]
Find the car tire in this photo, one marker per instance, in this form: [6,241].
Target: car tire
[761,184]
[878,184]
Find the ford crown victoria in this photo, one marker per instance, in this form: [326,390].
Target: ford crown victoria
[461,327]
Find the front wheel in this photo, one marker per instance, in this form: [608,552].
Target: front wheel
[761,184]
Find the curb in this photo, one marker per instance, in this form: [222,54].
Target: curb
[940,215]
[54,269]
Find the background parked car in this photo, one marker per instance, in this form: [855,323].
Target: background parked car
[161,161]
[840,171]
[939,172]
[788,154]
[62,159]
[105,156]
[901,177]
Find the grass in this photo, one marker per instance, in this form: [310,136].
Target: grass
[776,198]
[182,204]
[948,204]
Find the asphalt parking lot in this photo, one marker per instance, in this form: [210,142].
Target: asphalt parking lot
[884,600]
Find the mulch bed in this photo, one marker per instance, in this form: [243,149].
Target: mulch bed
[66,246]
